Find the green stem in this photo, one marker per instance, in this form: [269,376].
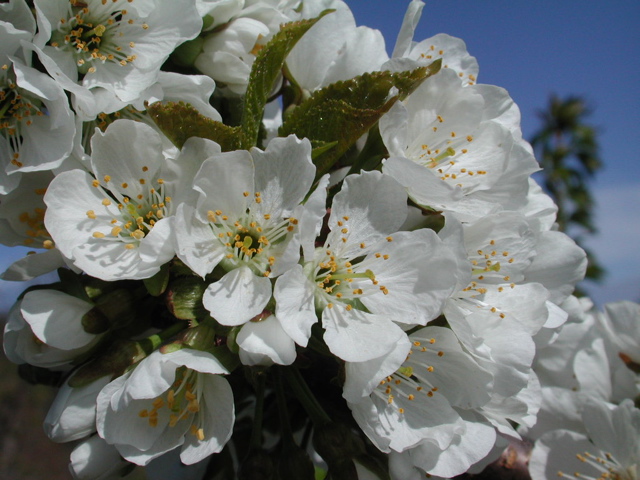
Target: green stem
[152,342]
[256,432]
[305,396]
[285,426]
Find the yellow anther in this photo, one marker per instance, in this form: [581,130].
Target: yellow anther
[98,235]
[138,234]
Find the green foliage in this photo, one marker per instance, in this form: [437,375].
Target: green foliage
[347,110]
[264,73]
[180,121]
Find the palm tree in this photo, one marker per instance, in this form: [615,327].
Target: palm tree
[568,152]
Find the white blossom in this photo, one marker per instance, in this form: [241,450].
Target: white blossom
[367,275]
[118,46]
[178,399]
[115,224]
[246,221]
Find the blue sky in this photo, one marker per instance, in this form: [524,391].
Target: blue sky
[534,49]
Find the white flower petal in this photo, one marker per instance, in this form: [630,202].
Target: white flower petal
[356,336]
[32,266]
[295,305]
[195,243]
[264,343]
[237,297]
[363,377]
[283,175]
[56,318]
[223,180]
[217,420]
[369,217]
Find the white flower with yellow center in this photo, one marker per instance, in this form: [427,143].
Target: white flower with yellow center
[498,311]
[246,222]
[367,275]
[36,123]
[178,399]
[118,45]
[458,148]
[420,400]
[452,51]
[115,224]
[610,450]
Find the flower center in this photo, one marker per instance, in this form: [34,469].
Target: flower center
[98,34]
[249,240]
[16,112]
[137,214]
[35,229]
[182,400]
[487,264]
[411,381]
[341,278]
[607,465]
[445,151]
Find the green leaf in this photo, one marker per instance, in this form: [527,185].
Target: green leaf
[264,73]
[180,121]
[320,148]
[346,110]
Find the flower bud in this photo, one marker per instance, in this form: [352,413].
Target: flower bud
[119,357]
[95,322]
[72,414]
[202,337]
[184,298]
[117,307]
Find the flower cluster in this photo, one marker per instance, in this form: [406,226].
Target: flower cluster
[257,214]
[589,424]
